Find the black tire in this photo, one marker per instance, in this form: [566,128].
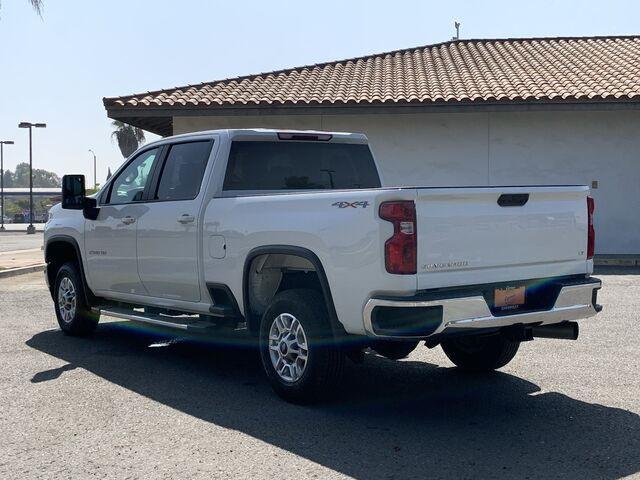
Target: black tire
[394,350]
[480,353]
[79,320]
[324,364]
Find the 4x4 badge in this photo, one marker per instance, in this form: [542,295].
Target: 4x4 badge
[363,204]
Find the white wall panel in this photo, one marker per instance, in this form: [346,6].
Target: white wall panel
[521,148]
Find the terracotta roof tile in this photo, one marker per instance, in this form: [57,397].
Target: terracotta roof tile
[509,70]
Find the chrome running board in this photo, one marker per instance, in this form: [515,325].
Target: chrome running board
[189,323]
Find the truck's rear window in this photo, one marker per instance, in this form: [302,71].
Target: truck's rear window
[299,166]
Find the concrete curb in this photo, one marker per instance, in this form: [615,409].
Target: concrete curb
[12,272]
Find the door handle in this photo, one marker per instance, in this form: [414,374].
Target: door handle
[186,218]
[128,220]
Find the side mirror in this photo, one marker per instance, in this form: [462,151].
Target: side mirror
[73,192]
[74,197]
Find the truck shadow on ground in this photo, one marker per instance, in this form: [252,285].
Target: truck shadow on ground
[391,419]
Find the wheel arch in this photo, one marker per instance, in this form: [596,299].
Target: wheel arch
[294,251]
[59,250]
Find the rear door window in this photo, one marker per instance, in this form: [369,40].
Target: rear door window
[273,166]
[183,171]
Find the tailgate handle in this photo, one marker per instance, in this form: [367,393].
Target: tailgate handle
[513,199]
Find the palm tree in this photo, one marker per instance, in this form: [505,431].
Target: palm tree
[129,137]
[37,5]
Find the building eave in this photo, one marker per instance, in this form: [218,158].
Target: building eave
[159,120]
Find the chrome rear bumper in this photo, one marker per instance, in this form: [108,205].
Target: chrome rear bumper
[575,301]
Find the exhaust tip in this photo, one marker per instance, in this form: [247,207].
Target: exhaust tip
[561,331]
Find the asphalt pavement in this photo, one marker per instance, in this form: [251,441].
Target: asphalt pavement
[11,241]
[130,403]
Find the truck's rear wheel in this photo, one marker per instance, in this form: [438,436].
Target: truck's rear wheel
[394,350]
[477,353]
[297,347]
[74,315]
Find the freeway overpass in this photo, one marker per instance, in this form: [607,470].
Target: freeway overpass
[37,191]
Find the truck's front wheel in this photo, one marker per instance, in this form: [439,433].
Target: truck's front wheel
[479,353]
[74,315]
[297,347]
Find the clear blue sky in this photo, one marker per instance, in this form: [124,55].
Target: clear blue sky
[58,68]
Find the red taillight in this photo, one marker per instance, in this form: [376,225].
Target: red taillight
[400,251]
[591,235]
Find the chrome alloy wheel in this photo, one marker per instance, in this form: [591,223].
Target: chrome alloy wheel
[288,347]
[67,300]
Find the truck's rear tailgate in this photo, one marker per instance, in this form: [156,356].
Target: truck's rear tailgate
[465,237]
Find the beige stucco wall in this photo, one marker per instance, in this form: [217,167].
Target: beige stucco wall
[523,148]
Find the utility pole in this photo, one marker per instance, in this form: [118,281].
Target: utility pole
[2,144]
[31,229]
[95,175]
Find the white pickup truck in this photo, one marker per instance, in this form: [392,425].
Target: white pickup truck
[293,236]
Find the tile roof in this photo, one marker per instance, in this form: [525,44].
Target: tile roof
[460,71]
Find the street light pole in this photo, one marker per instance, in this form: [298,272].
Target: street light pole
[31,229]
[95,175]
[2,144]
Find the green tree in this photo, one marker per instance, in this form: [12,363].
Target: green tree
[20,178]
[129,138]
[21,175]
[8,179]
[45,178]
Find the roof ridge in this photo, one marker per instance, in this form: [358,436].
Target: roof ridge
[241,78]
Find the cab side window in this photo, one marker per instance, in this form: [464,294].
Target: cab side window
[129,185]
[183,171]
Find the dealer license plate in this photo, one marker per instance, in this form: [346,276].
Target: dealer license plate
[508,296]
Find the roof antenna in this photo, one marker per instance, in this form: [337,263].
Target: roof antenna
[457,25]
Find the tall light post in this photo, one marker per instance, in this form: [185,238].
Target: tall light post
[31,229]
[2,144]
[95,175]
